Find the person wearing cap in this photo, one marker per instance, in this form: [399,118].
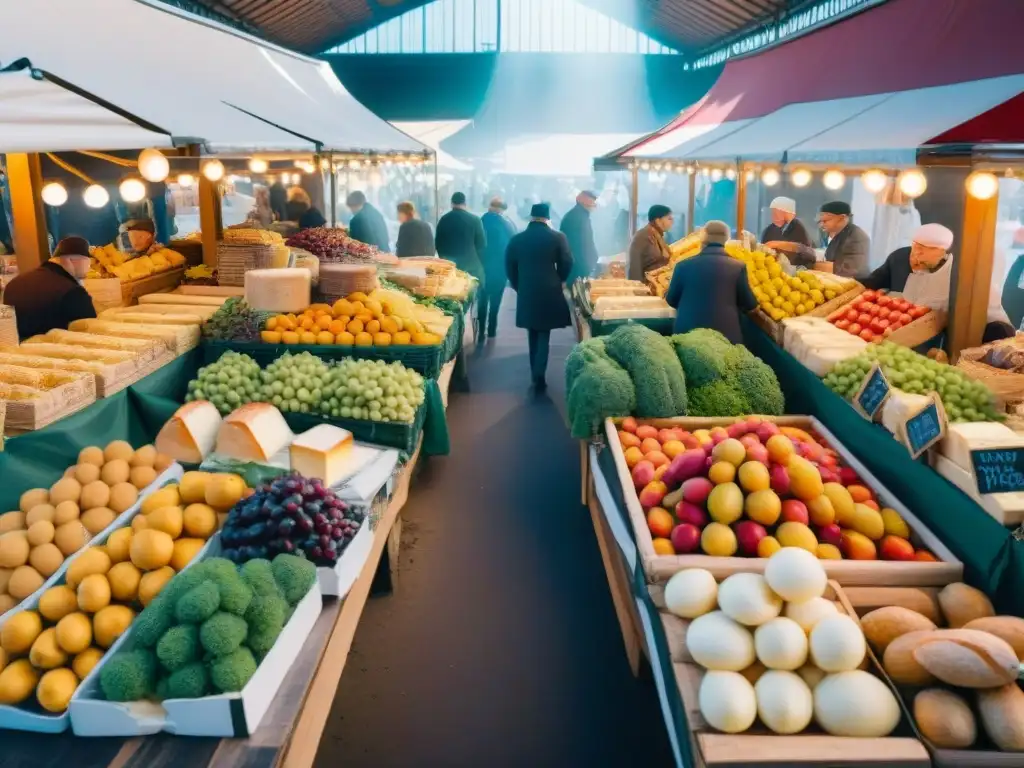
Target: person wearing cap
[415,237]
[138,235]
[648,250]
[787,233]
[367,224]
[538,262]
[498,230]
[710,290]
[460,238]
[922,273]
[848,245]
[579,231]
[51,296]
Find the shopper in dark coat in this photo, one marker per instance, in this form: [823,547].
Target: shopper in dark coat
[498,231]
[300,210]
[367,225]
[538,262]
[849,246]
[415,237]
[51,295]
[579,231]
[460,238]
[648,250]
[710,290]
[788,234]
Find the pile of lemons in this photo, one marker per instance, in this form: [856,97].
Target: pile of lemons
[778,294]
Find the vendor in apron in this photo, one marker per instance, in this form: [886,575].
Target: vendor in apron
[923,274]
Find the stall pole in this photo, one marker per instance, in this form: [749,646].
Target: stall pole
[25,180]
[210,223]
[741,199]
[333,177]
[691,203]
[634,202]
[972,274]
[437,194]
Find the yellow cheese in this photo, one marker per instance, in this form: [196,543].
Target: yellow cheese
[190,434]
[278,290]
[254,432]
[322,452]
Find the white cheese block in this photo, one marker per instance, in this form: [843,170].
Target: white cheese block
[324,452]
[1007,508]
[278,290]
[191,433]
[961,439]
[821,361]
[901,406]
[254,432]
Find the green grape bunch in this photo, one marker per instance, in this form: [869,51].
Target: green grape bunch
[230,382]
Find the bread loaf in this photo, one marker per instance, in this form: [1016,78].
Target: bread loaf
[884,625]
[899,661]
[945,719]
[1009,628]
[967,658]
[961,604]
[1002,716]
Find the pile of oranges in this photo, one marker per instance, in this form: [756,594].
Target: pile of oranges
[356,320]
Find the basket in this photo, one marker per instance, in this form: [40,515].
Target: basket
[1007,386]
[8,327]
[336,281]
[233,261]
[404,437]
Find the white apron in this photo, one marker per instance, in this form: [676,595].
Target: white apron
[931,289]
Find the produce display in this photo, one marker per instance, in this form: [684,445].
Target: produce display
[957,678]
[818,344]
[292,514]
[52,524]
[964,398]
[208,631]
[108,261]
[631,307]
[637,371]
[587,291]
[1006,355]
[753,488]
[774,648]
[235,321]
[873,315]
[333,245]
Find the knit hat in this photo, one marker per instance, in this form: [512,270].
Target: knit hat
[657,212]
[837,208]
[71,247]
[540,211]
[785,204]
[716,233]
[139,225]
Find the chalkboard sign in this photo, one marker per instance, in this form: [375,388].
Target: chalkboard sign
[873,393]
[998,470]
[925,428]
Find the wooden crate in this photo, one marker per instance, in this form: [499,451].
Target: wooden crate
[921,330]
[925,601]
[759,746]
[1007,386]
[29,415]
[826,309]
[658,568]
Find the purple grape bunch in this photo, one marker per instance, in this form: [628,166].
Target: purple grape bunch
[294,515]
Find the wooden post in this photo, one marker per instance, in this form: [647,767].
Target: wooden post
[333,180]
[26,183]
[210,222]
[634,202]
[741,199]
[691,204]
[972,275]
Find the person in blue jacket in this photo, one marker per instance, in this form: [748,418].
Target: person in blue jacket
[498,231]
[710,290]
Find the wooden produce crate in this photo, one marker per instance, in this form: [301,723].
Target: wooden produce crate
[51,405]
[658,568]
[769,326]
[830,306]
[920,330]
[760,747]
[925,601]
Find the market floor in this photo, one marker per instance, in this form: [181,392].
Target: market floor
[500,646]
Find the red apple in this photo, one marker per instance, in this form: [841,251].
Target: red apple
[848,477]
[766,430]
[737,430]
[718,434]
[866,334]
[896,548]
[692,514]
[794,511]
[690,441]
[827,474]
[830,534]
[652,494]
[851,315]
[685,538]
[883,301]
[749,440]
[780,479]
[874,309]
[696,490]
[748,536]
[869,295]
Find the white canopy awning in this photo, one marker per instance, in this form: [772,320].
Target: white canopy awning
[39,114]
[432,133]
[198,79]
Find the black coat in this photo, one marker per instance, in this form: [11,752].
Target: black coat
[304,215]
[710,290]
[579,231]
[460,238]
[499,231]
[368,227]
[849,251]
[538,262]
[415,238]
[893,274]
[47,298]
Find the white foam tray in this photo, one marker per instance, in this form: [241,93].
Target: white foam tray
[337,581]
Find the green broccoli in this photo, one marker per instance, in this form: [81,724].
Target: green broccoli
[757,381]
[129,675]
[178,646]
[260,576]
[579,356]
[602,389]
[294,575]
[266,613]
[222,633]
[718,398]
[182,583]
[161,689]
[190,682]
[702,353]
[230,673]
[235,594]
[654,368]
[215,567]
[150,625]
[198,604]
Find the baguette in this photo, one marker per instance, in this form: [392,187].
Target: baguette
[142,317]
[69,352]
[968,658]
[1002,715]
[52,364]
[180,298]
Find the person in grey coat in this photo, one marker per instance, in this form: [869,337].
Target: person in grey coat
[579,231]
[848,245]
[498,231]
[538,262]
[415,237]
[710,290]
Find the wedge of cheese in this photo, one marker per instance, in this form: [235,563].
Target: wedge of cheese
[254,432]
[961,439]
[323,452]
[190,434]
[900,406]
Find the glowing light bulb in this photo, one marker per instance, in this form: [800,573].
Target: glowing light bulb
[750,175]
[258,165]
[132,190]
[730,173]
[770,177]
[801,177]
[95,196]
[912,183]
[982,185]
[833,180]
[54,194]
[153,165]
[213,170]
[716,174]
[874,181]
[186,179]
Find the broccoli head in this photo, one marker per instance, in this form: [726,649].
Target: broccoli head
[654,368]
[260,576]
[198,604]
[235,594]
[579,356]
[215,567]
[150,625]
[602,389]
[266,614]
[230,673]
[757,381]
[182,583]
[178,646]
[161,689]
[702,354]
[129,675]
[719,398]
[222,633]
[192,681]
[294,575]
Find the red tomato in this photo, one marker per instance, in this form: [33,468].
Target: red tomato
[883,301]
[888,331]
[867,335]
[876,326]
[842,324]
[905,318]
[917,312]
[851,315]
[864,318]
[896,325]
[869,295]
[904,305]
[854,328]
[874,309]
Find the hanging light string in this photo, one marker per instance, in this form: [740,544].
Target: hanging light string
[69,168]
[109,158]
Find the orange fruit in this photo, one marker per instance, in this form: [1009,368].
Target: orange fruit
[357,306]
[345,339]
[270,337]
[382,339]
[290,337]
[663,547]
[363,339]
[388,325]
[402,337]
[307,323]
[373,326]
[307,337]
[355,327]
[318,308]
[325,337]
[272,324]
[374,306]
[364,316]
[357,296]
[336,327]
[323,322]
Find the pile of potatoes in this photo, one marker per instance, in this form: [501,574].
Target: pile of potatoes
[53,523]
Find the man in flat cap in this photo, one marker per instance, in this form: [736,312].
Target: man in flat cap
[579,231]
[848,245]
[538,262]
[649,251]
[788,234]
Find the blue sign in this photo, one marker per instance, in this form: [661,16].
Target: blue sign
[873,393]
[999,470]
[923,429]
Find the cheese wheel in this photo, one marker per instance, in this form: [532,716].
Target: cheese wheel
[278,290]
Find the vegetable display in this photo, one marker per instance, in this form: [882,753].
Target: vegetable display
[208,631]
[109,261]
[235,321]
[873,315]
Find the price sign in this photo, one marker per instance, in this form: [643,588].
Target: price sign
[926,427]
[998,470]
[873,393]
